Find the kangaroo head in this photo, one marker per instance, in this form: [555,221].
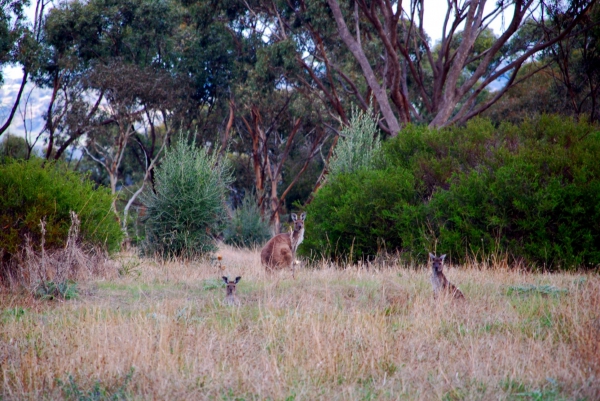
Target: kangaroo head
[231,284]
[437,263]
[298,222]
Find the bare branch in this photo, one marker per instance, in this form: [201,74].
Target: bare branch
[13,110]
[360,56]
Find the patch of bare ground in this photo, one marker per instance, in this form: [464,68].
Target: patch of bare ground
[334,334]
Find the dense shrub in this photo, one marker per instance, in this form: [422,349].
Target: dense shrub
[31,193]
[541,205]
[357,215]
[13,147]
[531,192]
[246,228]
[188,209]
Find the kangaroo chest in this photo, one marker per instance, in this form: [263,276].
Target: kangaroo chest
[438,281]
[297,238]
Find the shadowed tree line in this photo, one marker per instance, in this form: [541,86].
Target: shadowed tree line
[269,85]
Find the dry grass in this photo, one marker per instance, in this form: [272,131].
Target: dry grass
[34,269]
[330,334]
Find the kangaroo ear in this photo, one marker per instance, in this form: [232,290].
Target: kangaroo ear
[443,257]
[294,217]
[303,216]
[431,255]
[225,279]
[237,279]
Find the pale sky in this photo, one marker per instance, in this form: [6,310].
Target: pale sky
[435,12]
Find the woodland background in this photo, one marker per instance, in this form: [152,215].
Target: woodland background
[272,87]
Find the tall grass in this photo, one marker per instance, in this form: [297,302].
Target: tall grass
[353,334]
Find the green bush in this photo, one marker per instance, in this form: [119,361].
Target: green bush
[31,192]
[530,192]
[51,290]
[246,228]
[12,147]
[188,209]
[358,215]
[540,207]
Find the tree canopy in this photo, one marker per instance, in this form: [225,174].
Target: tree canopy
[270,85]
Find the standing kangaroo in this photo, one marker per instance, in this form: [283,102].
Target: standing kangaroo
[231,298]
[280,251]
[439,281]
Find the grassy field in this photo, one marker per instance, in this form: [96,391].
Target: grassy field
[160,331]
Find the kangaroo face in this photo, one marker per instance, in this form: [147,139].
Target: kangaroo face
[298,222]
[231,284]
[437,263]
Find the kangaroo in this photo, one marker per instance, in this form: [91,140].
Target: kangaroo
[280,251]
[439,281]
[231,299]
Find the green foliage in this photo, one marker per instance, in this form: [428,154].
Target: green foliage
[32,192]
[535,289]
[188,208]
[72,391]
[530,192]
[13,147]
[13,32]
[212,284]
[134,30]
[50,290]
[246,228]
[536,198]
[358,145]
[129,266]
[360,214]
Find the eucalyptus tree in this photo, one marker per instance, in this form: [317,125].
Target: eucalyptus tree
[84,40]
[379,51]
[277,137]
[108,65]
[568,81]
[576,63]
[18,46]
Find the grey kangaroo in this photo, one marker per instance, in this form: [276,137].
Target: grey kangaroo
[439,281]
[231,298]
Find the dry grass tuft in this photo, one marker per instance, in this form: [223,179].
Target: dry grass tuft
[352,334]
[33,269]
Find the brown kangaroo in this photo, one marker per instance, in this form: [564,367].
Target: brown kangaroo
[439,281]
[231,298]
[280,251]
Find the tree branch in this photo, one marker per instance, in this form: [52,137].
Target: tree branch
[13,110]
[360,56]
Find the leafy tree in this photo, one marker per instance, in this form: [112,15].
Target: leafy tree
[120,55]
[532,97]
[384,54]
[564,79]
[575,64]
